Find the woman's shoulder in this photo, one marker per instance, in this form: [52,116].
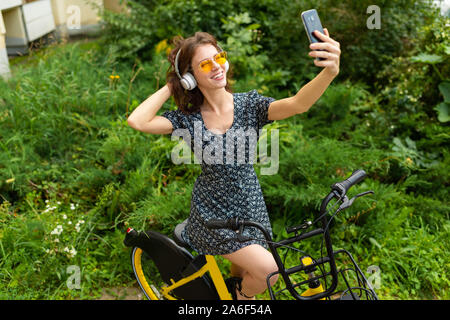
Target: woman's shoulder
[252,94]
[181,119]
[247,96]
[253,97]
[181,114]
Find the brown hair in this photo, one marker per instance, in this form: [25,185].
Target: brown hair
[188,101]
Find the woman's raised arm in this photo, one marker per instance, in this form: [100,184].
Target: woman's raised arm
[144,117]
[313,90]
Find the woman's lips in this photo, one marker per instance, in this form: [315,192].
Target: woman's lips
[219,77]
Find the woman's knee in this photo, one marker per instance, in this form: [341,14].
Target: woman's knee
[265,269]
[257,261]
[274,279]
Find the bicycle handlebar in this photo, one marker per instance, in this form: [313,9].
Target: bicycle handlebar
[232,223]
[343,186]
[339,190]
[238,224]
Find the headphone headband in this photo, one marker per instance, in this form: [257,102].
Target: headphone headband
[176,64]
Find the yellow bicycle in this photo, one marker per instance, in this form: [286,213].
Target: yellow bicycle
[166,270]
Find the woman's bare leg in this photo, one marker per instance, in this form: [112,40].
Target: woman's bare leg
[236,271]
[252,263]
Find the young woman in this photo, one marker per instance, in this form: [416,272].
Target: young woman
[198,81]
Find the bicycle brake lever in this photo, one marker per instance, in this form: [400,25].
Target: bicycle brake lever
[364,193]
[347,203]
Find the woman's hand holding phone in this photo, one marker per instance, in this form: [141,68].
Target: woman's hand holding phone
[331,55]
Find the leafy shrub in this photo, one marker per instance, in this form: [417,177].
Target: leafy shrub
[152,21]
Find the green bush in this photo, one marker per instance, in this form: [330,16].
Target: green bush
[152,21]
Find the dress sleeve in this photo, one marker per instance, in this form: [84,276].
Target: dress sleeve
[261,105]
[175,117]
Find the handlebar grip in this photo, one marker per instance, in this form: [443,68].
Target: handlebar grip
[356,177]
[223,224]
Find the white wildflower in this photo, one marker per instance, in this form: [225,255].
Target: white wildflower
[73,252]
[64,217]
[49,208]
[57,230]
[78,225]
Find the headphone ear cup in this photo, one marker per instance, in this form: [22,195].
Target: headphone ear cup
[188,81]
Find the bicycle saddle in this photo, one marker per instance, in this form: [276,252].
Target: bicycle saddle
[177,235]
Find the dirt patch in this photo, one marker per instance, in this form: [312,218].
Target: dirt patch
[119,293]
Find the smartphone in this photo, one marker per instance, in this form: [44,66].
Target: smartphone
[311,22]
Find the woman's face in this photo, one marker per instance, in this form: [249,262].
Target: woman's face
[214,79]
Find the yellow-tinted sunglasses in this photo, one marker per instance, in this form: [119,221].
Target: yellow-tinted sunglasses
[207,64]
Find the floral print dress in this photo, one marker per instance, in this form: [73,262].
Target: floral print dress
[225,189]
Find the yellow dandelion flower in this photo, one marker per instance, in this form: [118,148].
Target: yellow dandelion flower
[117,77]
[111,77]
[161,46]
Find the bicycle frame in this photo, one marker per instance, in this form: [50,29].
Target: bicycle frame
[189,269]
[216,276]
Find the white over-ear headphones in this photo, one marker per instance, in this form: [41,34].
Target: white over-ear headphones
[188,81]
